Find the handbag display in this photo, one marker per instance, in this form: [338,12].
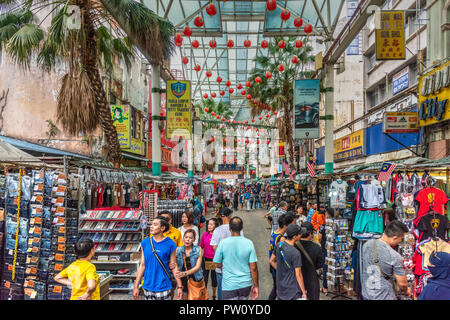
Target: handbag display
[196,289]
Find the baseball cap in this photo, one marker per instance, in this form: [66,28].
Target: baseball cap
[292,230]
[308,226]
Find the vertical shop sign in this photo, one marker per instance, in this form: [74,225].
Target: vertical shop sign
[178,109]
[353,47]
[121,120]
[306,109]
[390,35]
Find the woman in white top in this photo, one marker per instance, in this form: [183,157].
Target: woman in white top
[187,219]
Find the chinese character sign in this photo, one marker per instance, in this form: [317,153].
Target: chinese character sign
[178,111]
[390,36]
[121,120]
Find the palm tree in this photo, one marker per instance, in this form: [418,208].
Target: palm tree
[278,92]
[82,102]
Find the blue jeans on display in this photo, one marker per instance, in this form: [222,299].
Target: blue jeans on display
[219,285]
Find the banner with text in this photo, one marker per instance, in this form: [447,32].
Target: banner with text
[306,109]
[178,109]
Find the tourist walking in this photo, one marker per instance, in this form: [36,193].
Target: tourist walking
[187,219]
[189,262]
[208,266]
[287,262]
[237,256]
[157,252]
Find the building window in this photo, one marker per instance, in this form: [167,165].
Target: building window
[372,61]
[136,124]
[413,73]
[372,98]
[382,92]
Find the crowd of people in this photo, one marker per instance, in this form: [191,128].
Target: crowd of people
[179,263]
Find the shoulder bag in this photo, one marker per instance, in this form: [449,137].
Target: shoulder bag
[159,260]
[385,276]
[196,289]
[302,249]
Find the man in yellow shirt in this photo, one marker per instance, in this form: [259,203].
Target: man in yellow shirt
[173,233]
[81,275]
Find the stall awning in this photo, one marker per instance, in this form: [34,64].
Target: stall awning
[9,153]
[28,146]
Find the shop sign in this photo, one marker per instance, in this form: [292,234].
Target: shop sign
[434,93]
[400,122]
[350,146]
[306,109]
[178,109]
[136,146]
[390,35]
[121,120]
[353,47]
[226,176]
[227,167]
[280,149]
[400,81]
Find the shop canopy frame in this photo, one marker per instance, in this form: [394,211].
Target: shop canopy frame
[239,20]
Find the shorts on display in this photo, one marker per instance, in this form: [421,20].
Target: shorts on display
[368,222]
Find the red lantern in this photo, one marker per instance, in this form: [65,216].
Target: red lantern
[253,120]
[187,31]
[223,119]
[213,43]
[294,59]
[267,142]
[222,93]
[298,22]
[197,67]
[195,44]
[285,15]
[228,83]
[246,121]
[243,92]
[268,74]
[275,113]
[268,108]
[298,44]
[280,68]
[249,96]
[239,86]
[198,21]
[211,9]
[185,60]
[178,38]
[179,44]
[308,28]
[206,110]
[267,116]
[230,43]
[257,141]
[260,118]
[213,94]
[218,117]
[205,96]
[219,79]
[212,113]
[271,5]
[248,84]
[231,90]
[247,43]
[208,73]
[246,141]
[281,44]
[264,44]
[260,104]
[258,79]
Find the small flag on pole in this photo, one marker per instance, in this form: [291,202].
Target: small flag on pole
[310,164]
[386,171]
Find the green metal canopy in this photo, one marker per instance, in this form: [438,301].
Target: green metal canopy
[238,20]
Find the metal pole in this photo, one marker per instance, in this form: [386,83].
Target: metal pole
[190,157]
[156,112]
[329,116]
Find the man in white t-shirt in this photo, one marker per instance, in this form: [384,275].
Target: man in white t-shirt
[220,233]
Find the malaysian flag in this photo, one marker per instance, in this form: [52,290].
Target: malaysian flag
[386,171]
[310,164]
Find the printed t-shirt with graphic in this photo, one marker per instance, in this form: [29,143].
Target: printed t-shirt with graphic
[374,285]
[338,192]
[155,278]
[220,233]
[79,273]
[429,222]
[235,254]
[287,284]
[430,196]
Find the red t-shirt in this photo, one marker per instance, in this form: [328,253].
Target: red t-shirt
[433,196]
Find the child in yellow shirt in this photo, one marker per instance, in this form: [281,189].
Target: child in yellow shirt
[81,275]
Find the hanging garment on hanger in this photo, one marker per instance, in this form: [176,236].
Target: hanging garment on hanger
[337,194]
[429,246]
[431,196]
[100,198]
[368,222]
[430,222]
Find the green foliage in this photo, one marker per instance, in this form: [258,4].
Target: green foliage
[218,108]
[23,42]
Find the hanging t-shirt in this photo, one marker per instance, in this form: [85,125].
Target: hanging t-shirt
[429,222]
[337,194]
[431,196]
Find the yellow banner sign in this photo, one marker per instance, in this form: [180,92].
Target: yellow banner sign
[350,146]
[434,95]
[178,110]
[136,146]
[390,35]
[121,120]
